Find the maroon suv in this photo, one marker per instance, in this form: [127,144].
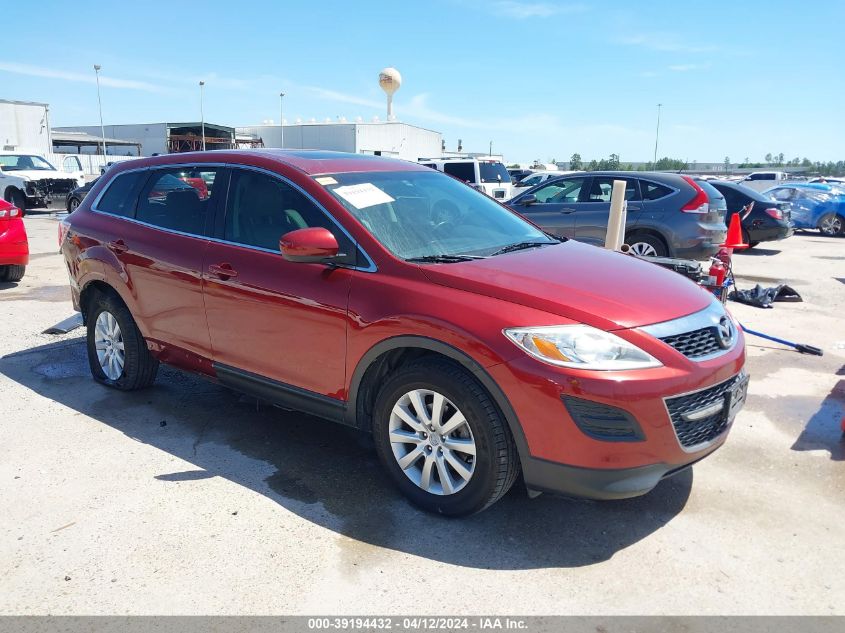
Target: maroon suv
[387,296]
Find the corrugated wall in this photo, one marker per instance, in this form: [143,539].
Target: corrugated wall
[24,127]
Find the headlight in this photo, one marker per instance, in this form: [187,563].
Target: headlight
[580,347]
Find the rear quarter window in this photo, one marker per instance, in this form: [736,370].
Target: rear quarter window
[121,195]
[653,190]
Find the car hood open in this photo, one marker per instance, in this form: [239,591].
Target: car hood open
[579,282]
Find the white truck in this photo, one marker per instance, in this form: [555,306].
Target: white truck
[487,175]
[28,181]
[762,180]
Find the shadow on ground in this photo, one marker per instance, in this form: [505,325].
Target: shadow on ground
[823,430]
[758,252]
[325,475]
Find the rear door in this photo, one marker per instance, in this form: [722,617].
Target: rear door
[555,206]
[593,209]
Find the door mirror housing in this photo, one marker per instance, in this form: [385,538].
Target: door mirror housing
[528,200]
[308,246]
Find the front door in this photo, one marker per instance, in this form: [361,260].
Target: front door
[267,316]
[555,206]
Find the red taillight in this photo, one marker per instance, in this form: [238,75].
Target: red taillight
[64,225]
[700,203]
[9,212]
[775,213]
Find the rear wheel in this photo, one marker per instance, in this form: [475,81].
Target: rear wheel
[831,224]
[12,273]
[72,204]
[647,245]
[442,439]
[117,353]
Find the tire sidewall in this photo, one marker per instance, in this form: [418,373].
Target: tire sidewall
[131,340]
[832,216]
[652,241]
[475,494]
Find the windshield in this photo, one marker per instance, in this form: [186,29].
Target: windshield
[427,214]
[18,162]
[494,172]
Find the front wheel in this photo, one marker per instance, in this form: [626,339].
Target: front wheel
[831,224]
[117,353]
[442,439]
[72,205]
[18,199]
[12,272]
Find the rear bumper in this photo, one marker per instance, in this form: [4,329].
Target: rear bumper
[14,246]
[770,233]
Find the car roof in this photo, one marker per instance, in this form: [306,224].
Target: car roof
[738,187]
[310,162]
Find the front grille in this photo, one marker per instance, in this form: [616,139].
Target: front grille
[603,422]
[695,344]
[694,432]
[54,186]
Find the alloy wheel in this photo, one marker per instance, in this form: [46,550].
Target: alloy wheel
[643,248]
[108,341]
[432,442]
[831,225]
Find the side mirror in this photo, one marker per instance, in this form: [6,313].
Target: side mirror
[528,200]
[312,245]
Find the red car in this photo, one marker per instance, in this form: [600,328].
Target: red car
[14,246]
[390,297]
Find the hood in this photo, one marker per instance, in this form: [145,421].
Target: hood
[38,174]
[580,282]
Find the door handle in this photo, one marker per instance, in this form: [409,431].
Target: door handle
[224,271]
[118,246]
[565,211]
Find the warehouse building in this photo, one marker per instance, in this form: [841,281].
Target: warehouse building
[388,138]
[162,138]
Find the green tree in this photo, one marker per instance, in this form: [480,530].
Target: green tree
[613,162]
[768,159]
[727,164]
[575,162]
[806,162]
[593,166]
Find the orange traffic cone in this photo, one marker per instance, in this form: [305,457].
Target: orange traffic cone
[734,239]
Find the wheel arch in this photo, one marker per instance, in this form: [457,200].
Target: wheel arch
[655,233]
[391,353]
[93,289]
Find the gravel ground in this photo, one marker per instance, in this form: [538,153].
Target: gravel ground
[187,498]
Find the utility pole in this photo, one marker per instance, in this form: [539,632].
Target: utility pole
[656,136]
[491,149]
[97,69]
[202,115]
[281,120]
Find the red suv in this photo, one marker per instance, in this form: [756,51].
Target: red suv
[392,298]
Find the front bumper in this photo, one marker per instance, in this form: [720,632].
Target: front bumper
[559,456]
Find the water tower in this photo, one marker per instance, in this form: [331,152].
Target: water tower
[390,80]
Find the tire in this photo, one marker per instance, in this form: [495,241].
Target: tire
[139,367]
[493,468]
[647,244]
[18,199]
[831,224]
[746,237]
[12,272]
[73,204]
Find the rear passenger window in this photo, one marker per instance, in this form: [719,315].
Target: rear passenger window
[653,191]
[461,171]
[178,199]
[602,188]
[261,208]
[121,194]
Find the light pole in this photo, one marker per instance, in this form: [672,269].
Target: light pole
[490,153]
[202,116]
[97,68]
[656,136]
[281,120]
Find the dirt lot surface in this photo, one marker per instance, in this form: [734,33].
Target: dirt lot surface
[187,498]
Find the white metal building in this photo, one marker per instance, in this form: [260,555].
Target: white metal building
[25,126]
[162,138]
[388,138]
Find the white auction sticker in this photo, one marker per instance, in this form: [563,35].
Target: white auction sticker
[326,180]
[362,196]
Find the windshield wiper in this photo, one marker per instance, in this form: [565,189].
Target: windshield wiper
[443,259]
[519,246]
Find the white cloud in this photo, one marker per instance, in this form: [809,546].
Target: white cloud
[664,42]
[685,68]
[526,10]
[334,95]
[88,78]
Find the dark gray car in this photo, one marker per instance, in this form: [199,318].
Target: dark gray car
[669,215]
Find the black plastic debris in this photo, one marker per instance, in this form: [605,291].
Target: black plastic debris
[764,297]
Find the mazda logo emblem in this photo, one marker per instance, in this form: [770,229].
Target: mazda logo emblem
[725,332]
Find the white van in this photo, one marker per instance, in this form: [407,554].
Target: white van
[762,180]
[487,175]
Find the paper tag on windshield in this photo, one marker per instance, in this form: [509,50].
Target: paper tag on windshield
[362,196]
[326,180]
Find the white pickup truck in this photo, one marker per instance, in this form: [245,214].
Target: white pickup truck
[28,181]
[762,180]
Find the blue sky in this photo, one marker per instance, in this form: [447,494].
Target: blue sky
[541,79]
